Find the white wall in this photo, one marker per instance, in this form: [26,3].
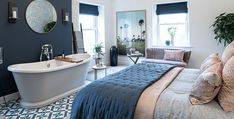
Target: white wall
[201,16]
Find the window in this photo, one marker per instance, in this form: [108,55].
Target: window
[172,25]
[89,27]
[92,19]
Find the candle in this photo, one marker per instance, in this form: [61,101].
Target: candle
[66,18]
[14,14]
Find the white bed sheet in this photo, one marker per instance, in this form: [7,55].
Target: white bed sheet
[173,103]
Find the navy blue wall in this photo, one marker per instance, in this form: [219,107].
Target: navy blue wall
[22,45]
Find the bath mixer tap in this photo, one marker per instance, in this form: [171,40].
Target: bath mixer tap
[46,50]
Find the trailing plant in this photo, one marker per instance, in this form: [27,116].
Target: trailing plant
[224,28]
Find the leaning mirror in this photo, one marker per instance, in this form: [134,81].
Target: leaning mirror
[41,16]
[131,31]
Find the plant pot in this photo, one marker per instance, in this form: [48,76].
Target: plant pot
[168,43]
[98,61]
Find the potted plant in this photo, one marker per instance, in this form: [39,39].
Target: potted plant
[172,31]
[98,50]
[224,28]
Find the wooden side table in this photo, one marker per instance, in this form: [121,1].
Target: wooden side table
[95,68]
[137,55]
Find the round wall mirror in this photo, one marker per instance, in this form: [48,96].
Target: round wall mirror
[41,16]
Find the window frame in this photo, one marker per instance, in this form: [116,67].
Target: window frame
[95,28]
[186,30]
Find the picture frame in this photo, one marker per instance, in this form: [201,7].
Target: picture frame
[131,31]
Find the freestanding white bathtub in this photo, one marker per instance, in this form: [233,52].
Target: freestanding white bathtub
[42,83]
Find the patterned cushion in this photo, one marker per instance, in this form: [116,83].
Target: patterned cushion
[209,61]
[228,52]
[174,55]
[207,85]
[226,94]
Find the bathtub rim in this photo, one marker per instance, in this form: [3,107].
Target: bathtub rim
[13,68]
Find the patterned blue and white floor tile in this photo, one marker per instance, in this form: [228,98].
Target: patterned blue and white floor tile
[57,110]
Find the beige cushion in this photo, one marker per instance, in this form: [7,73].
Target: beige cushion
[228,52]
[178,63]
[174,55]
[209,61]
[226,94]
[207,85]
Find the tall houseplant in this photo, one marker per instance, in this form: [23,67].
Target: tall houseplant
[224,28]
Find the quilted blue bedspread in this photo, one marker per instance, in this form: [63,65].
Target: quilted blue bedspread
[116,96]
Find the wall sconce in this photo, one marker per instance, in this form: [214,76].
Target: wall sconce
[65,16]
[12,12]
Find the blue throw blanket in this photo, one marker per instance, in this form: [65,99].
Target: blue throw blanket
[116,96]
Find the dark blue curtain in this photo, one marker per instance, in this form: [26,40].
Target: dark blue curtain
[172,8]
[89,9]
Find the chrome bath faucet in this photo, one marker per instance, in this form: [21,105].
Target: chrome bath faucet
[46,50]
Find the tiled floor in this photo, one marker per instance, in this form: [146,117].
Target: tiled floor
[58,110]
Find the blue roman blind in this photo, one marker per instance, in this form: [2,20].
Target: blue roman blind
[89,9]
[172,8]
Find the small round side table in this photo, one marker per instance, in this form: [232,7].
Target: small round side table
[96,68]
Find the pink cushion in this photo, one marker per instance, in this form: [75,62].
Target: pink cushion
[209,61]
[207,85]
[228,52]
[226,94]
[174,55]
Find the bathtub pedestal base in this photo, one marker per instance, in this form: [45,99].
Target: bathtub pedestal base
[51,100]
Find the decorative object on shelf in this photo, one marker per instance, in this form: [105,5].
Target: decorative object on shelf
[223,28]
[65,15]
[41,16]
[131,31]
[98,57]
[168,42]
[12,12]
[172,32]
[132,50]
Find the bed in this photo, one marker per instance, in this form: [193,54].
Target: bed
[165,98]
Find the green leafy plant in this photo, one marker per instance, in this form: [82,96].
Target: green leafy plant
[224,28]
[49,26]
[98,49]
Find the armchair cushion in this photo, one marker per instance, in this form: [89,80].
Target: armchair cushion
[174,55]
